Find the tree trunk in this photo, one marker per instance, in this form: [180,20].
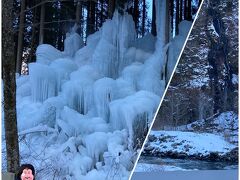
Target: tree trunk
[144,17]
[154,28]
[199,2]
[185,9]
[167,26]
[79,13]
[189,11]
[171,9]
[79,17]
[42,19]
[101,13]
[91,18]
[111,8]
[33,38]
[177,17]
[9,87]
[180,12]
[136,14]
[20,38]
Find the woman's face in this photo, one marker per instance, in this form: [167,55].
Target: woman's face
[27,174]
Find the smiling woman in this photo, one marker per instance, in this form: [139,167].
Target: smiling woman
[26,172]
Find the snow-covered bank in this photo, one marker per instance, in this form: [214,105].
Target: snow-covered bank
[183,145]
[224,124]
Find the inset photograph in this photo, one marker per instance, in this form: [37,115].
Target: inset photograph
[196,127]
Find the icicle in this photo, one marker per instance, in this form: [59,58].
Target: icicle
[79,95]
[63,67]
[43,82]
[73,42]
[116,37]
[124,112]
[96,144]
[161,23]
[131,74]
[103,95]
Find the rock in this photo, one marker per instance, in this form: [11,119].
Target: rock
[182,155]
[165,139]
[148,148]
[174,145]
[152,138]
[232,155]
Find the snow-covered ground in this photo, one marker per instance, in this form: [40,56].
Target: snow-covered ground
[79,111]
[190,143]
[224,124]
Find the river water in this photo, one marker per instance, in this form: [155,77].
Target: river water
[188,164]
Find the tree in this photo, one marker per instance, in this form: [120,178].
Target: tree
[154,27]
[180,12]
[42,19]
[91,7]
[177,17]
[79,16]
[9,87]
[20,38]
[143,17]
[136,13]
[33,43]
[111,8]
[188,10]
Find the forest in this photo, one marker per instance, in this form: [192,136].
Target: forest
[36,22]
[85,80]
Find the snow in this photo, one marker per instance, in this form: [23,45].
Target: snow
[78,109]
[235,79]
[213,31]
[202,143]
[96,145]
[46,54]
[225,125]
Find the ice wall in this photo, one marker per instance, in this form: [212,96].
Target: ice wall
[43,82]
[46,53]
[117,35]
[95,99]
[123,112]
[176,46]
[72,43]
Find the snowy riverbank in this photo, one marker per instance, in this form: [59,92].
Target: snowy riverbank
[190,145]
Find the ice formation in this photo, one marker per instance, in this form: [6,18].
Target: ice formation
[176,46]
[94,99]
